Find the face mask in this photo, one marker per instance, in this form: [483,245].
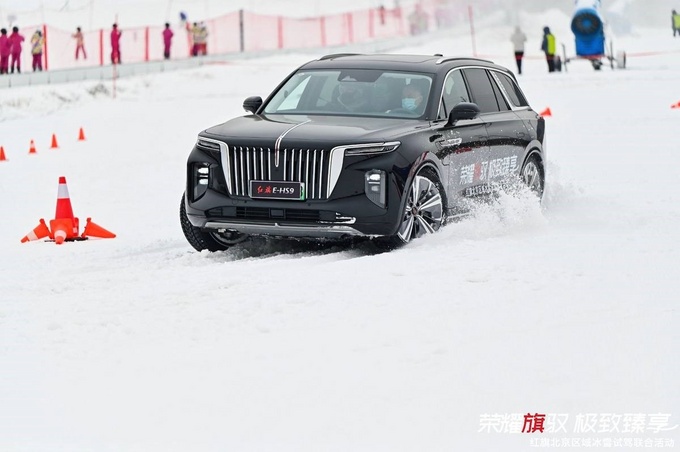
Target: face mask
[409,103]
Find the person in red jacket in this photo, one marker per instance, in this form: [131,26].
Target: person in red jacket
[115,45]
[4,51]
[15,40]
[167,41]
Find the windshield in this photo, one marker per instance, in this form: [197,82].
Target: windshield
[355,92]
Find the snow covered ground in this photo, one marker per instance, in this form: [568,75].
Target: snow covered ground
[142,344]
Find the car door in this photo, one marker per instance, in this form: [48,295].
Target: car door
[507,134]
[462,146]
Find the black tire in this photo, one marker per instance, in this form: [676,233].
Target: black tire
[206,240]
[424,212]
[533,175]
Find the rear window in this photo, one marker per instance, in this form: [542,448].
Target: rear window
[512,90]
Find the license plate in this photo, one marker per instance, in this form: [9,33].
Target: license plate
[277,190]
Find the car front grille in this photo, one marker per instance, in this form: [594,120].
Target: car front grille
[250,163]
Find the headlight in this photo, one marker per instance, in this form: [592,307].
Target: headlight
[375,186]
[372,148]
[200,179]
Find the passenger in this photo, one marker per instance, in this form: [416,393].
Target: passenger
[413,96]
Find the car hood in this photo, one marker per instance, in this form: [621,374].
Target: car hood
[265,130]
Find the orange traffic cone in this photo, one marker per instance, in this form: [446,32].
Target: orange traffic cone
[39,232]
[32,150]
[94,230]
[2,154]
[61,229]
[546,112]
[81,135]
[54,142]
[676,105]
[64,209]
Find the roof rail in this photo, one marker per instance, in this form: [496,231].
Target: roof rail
[337,55]
[443,60]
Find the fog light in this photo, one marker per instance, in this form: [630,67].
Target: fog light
[375,187]
[201,180]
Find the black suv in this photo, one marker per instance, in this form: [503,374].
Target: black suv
[381,146]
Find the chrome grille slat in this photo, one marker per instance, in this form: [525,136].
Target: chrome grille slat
[300,166]
[320,174]
[314,175]
[308,166]
[261,163]
[248,166]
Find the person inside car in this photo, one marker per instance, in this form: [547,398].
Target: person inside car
[412,98]
[351,97]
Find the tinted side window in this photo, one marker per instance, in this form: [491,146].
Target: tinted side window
[502,103]
[454,93]
[481,90]
[512,90]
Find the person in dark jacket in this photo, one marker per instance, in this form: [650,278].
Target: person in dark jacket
[548,47]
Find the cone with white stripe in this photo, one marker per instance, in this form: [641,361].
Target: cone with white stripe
[39,232]
[64,209]
[61,229]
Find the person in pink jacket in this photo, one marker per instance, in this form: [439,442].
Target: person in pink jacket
[4,51]
[15,40]
[115,45]
[167,41]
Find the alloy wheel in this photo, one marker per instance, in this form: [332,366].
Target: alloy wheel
[424,210]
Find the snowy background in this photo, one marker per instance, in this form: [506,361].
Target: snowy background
[142,344]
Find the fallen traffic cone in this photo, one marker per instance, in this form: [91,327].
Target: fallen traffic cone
[2,154]
[39,232]
[676,105]
[64,209]
[32,150]
[54,142]
[81,135]
[546,112]
[64,226]
[94,230]
[61,229]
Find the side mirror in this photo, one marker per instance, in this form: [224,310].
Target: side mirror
[252,104]
[464,110]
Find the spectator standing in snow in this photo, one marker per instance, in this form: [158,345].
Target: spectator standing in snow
[37,43]
[518,39]
[15,40]
[167,41]
[115,45]
[548,47]
[4,51]
[80,43]
[675,21]
[201,39]
[193,30]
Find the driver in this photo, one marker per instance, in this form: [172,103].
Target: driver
[352,96]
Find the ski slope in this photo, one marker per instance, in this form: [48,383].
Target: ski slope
[139,343]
